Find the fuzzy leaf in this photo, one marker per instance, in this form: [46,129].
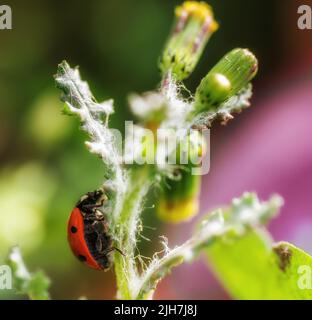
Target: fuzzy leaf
[79,101]
[94,116]
[251,267]
[245,213]
[35,285]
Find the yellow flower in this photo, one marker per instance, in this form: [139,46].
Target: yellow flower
[198,10]
[178,211]
[194,25]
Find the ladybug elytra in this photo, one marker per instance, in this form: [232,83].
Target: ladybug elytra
[88,232]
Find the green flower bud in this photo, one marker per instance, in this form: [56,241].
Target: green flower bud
[181,209]
[194,25]
[229,76]
[179,200]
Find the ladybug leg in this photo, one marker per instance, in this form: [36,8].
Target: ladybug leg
[98,227]
[94,226]
[102,244]
[93,206]
[114,249]
[102,241]
[95,216]
[90,217]
[105,226]
[99,244]
[118,250]
[88,229]
[99,205]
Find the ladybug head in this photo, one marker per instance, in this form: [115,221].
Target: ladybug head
[91,200]
[95,196]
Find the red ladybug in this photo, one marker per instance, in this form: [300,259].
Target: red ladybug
[88,232]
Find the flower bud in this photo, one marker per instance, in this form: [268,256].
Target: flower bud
[194,25]
[179,201]
[229,76]
[177,211]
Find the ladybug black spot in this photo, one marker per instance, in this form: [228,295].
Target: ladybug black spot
[73,229]
[82,258]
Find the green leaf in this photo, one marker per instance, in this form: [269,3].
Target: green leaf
[35,285]
[251,267]
[295,265]
[38,286]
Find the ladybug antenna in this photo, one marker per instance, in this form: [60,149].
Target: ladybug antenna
[115,248]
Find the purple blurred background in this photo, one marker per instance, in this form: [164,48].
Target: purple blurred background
[269,150]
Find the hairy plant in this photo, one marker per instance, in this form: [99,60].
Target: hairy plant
[224,91]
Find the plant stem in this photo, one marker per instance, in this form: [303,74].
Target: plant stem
[244,213]
[126,231]
[186,252]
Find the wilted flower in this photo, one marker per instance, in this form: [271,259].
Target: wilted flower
[179,201]
[193,26]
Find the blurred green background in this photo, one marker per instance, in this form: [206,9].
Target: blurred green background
[45,167]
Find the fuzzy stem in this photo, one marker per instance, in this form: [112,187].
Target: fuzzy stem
[186,252]
[126,230]
[244,213]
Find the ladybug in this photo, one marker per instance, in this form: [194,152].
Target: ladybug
[88,232]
